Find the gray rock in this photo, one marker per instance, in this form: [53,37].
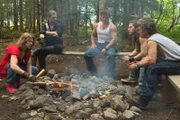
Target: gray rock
[136,109]
[50,108]
[82,115]
[96,117]
[110,115]
[33,113]
[51,73]
[74,108]
[24,116]
[128,114]
[39,102]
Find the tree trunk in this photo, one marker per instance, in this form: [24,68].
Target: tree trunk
[15,15]
[103,5]
[97,11]
[34,16]
[21,14]
[42,10]
[38,16]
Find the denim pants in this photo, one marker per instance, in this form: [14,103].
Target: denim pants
[150,77]
[132,75]
[11,75]
[91,53]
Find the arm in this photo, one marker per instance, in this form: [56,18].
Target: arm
[29,66]
[143,47]
[93,36]
[14,66]
[133,53]
[149,59]
[114,38]
[58,30]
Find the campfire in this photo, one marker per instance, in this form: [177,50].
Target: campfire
[67,88]
[66,97]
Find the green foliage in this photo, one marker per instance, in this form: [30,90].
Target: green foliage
[124,46]
[168,19]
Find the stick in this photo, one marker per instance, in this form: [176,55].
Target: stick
[40,73]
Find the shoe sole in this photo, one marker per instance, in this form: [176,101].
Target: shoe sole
[134,103]
[128,81]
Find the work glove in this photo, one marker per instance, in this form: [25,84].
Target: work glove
[30,77]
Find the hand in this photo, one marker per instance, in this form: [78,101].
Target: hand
[126,58]
[93,46]
[30,77]
[132,66]
[104,51]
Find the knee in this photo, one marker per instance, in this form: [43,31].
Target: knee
[152,69]
[34,70]
[36,51]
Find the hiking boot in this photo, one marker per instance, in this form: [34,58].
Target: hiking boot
[10,88]
[135,100]
[129,80]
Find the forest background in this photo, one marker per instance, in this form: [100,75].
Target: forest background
[78,16]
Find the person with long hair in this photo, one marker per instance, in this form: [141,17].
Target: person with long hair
[16,62]
[162,58]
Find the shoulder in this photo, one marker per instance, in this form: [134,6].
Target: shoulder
[96,25]
[142,39]
[58,24]
[113,27]
[13,46]
[13,49]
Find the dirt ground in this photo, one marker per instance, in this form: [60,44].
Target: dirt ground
[157,109]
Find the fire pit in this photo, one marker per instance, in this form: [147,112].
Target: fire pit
[70,97]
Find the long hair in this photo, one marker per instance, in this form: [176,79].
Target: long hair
[135,37]
[24,38]
[148,24]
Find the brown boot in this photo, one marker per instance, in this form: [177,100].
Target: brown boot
[135,100]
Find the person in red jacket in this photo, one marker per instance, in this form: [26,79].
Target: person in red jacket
[16,62]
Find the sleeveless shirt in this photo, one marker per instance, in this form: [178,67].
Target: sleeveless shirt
[170,48]
[104,35]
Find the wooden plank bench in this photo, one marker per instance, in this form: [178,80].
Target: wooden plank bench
[175,81]
[171,88]
[82,53]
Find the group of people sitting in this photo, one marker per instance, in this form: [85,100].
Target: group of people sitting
[154,55]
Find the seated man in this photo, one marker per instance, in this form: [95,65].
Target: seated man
[137,54]
[106,33]
[163,58]
[50,30]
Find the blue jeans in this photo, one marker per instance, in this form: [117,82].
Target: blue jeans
[11,75]
[91,53]
[132,75]
[141,75]
[150,77]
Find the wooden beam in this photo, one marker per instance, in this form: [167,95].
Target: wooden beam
[82,53]
[175,81]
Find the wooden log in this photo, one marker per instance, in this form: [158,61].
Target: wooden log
[82,53]
[40,73]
